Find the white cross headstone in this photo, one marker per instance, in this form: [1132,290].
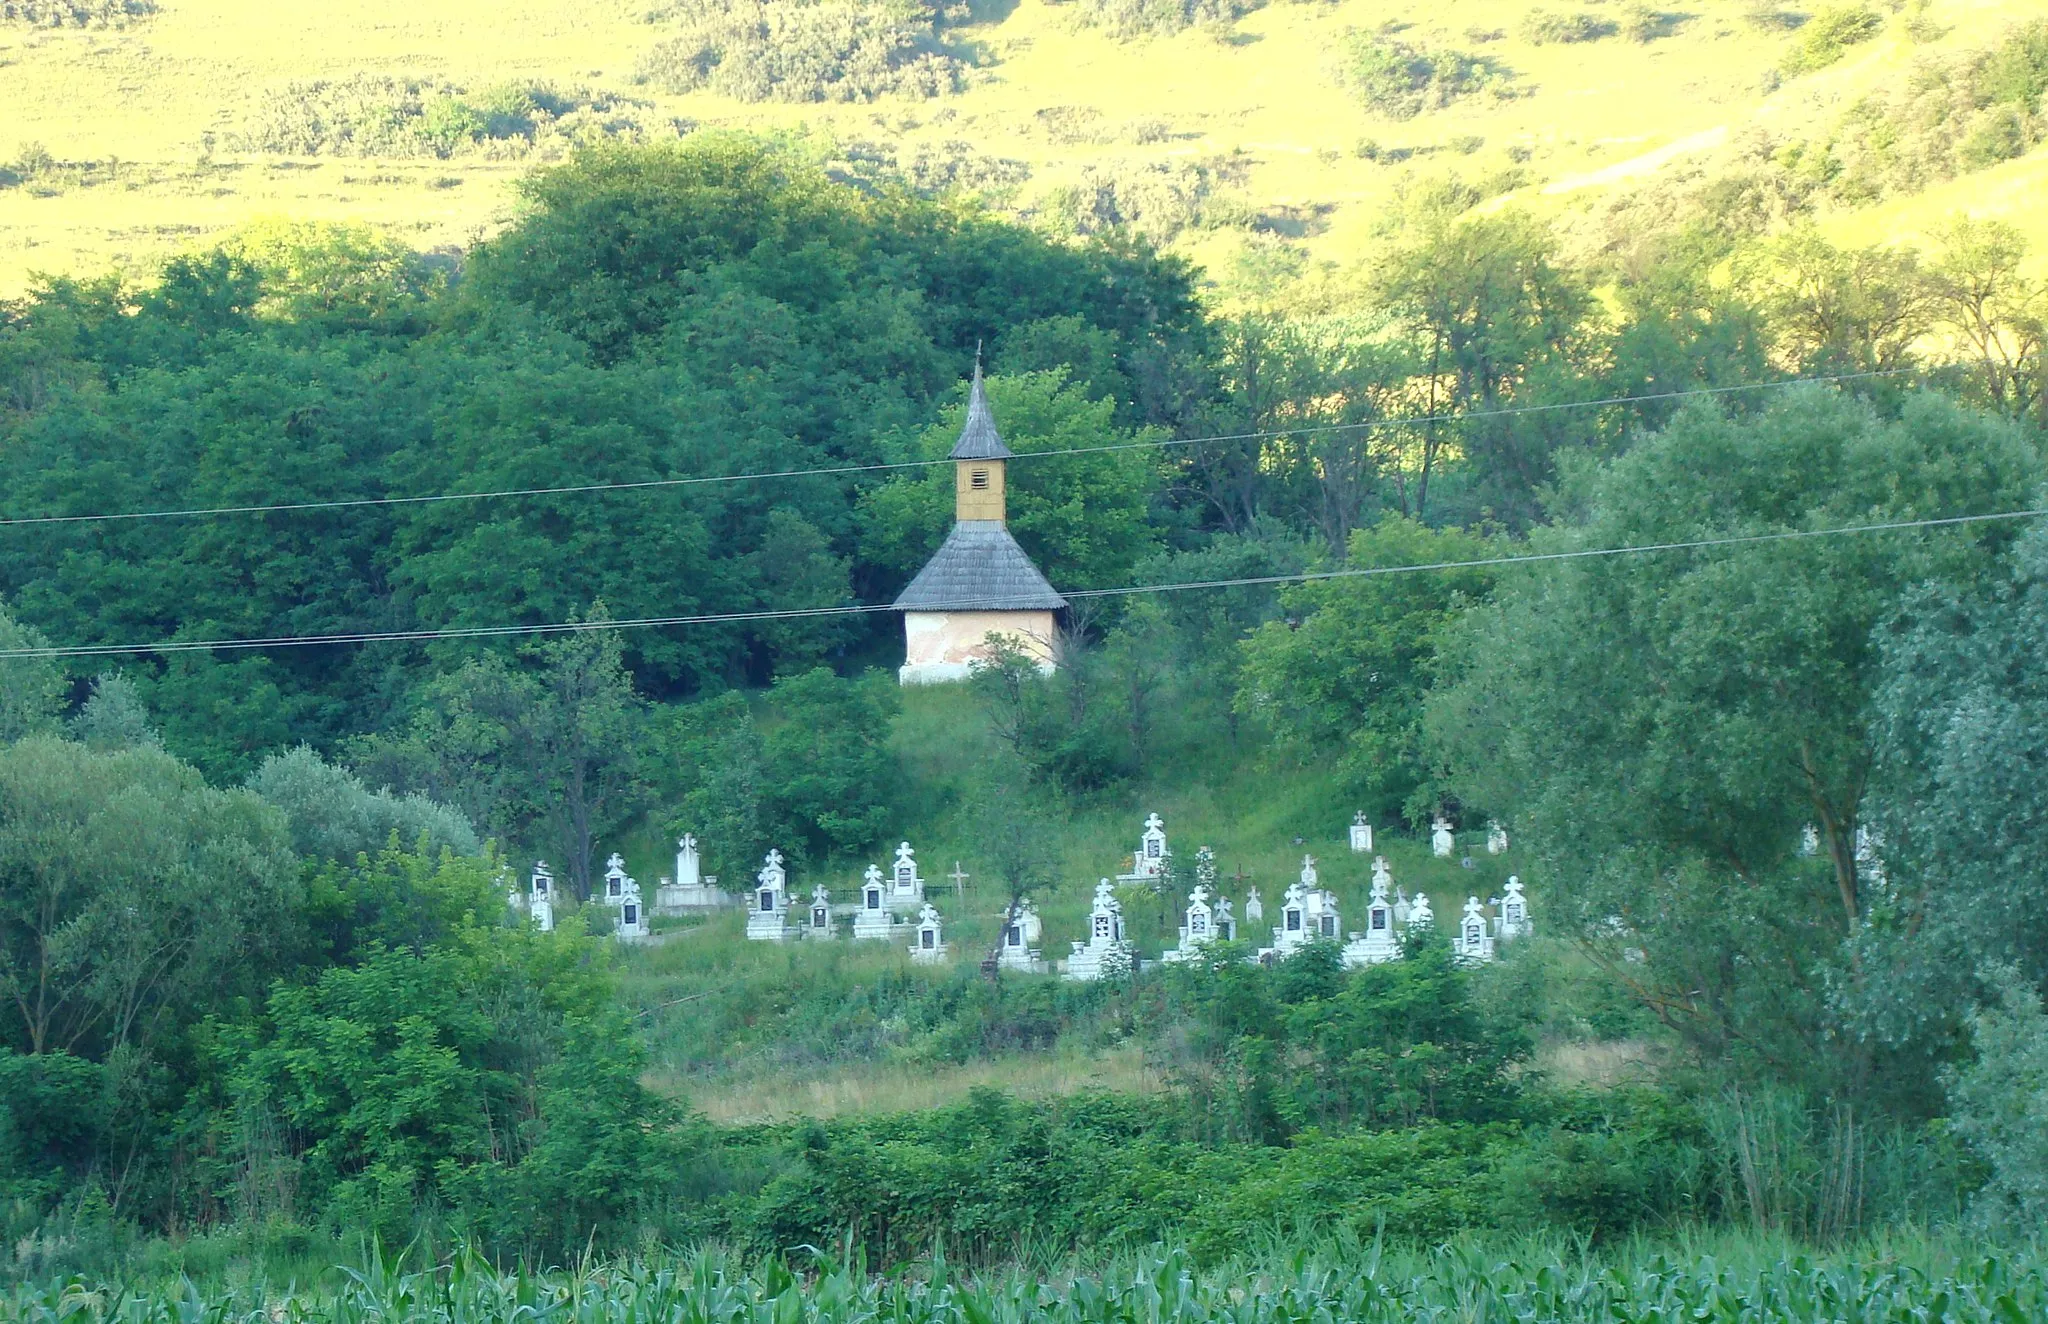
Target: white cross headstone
[1419,914]
[905,886]
[768,917]
[871,919]
[1198,927]
[1809,840]
[1105,955]
[930,946]
[615,879]
[1253,910]
[1361,833]
[959,877]
[1496,838]
[1473,942]
[1440,839]
[1150,858]
[1514,911]
[1379,942]
[632,926]
[820,925]
[1019,947]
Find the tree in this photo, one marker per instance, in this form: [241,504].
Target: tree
[1344,676]
[1837,309]
[829,778]
[548,755]
[1659,727]
[115,717]
[134,898]
[1998,314]
[31,688]
[334,816]
[1495,320]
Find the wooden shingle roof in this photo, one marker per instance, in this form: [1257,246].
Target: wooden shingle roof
[979,567]
[979,439]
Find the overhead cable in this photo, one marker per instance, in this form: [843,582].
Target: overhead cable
[845,470]
[984,603]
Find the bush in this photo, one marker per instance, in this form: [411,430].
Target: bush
[1162,18]
[784,50]
[1401,81]
[378,115]
[1540,27]
[73,13]
[1828,37]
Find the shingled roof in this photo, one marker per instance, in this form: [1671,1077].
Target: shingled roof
[978,439]
[979,567]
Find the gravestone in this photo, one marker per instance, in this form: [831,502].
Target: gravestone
[768,915]
[690,889]
[1019,947]
[820,925]
[1379,942]
[632,925]
[1361,833]
[1105,955]
[1150,858]
[1198,927]
[1472,943]
[906,888]
[514,898]
[930,946]
[1419,914]
[541,897]
[1226,922]
[615,880]
[1496,838]
[871,919]
[1440,839]
[1254,912]
[1809,840]
[1514,911]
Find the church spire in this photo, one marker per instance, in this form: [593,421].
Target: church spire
[979,439]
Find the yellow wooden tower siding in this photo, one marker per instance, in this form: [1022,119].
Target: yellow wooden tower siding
[979,583]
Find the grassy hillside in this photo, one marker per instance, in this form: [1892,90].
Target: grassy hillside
[1228,138]
[726,1018]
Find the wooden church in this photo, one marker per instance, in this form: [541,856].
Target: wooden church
[979,583]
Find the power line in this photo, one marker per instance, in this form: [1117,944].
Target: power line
[986,604]
[844,470]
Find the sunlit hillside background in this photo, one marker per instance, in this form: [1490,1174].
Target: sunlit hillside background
[1255,138]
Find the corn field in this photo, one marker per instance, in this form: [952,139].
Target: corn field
[1462,1283]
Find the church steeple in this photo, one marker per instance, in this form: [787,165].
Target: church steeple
[978,460]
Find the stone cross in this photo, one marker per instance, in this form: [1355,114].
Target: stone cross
[959,877]
[1308,872]
[1440,839]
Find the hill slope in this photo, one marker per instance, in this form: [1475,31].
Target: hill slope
[1225,138]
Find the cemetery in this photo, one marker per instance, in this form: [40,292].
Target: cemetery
[894,906]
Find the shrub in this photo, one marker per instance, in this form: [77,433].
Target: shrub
[73,13]
[1540,27]
[784,50]
[1828,37]
[1161,18]
[378,115]
[1401,81]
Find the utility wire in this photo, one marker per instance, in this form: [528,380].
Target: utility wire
[844,470]
[991,604]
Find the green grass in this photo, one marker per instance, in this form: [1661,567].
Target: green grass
[139,119]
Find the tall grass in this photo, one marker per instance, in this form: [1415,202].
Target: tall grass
[1752,1279]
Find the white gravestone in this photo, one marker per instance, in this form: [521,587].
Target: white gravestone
[930,946]
[1254,911]
[1419,914]
[1473,943]
[1496,839]
[1514,911]
[906,889]
[820,925]
[1440,839]
[1198,927]
[1809,840]
[615,880]
[541,897]
[1361,833]
[871,918]
[1105,955]
[632,926]
[1150,858]
[768,915]
[691,890]
[1226,923]
[1021,933]
[1379,942]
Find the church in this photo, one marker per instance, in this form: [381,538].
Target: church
[980,582]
